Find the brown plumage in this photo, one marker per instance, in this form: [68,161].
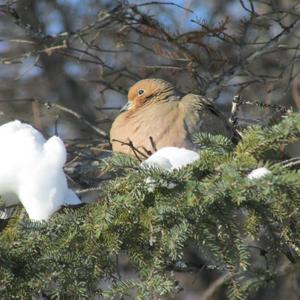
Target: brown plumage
[157,116]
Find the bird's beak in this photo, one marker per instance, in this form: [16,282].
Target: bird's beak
[127,106]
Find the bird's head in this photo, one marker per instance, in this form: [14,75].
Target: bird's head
[148,91]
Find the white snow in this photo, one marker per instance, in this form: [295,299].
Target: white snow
[31,171]
[258,173]
[170,158]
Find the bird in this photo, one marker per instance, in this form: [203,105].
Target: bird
[157,115]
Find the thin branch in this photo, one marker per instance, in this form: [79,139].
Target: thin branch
[135,150]
[163,3]
[217,84]
[60,107]
[215,286]
[77,116]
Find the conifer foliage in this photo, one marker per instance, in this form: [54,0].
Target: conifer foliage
[241,227]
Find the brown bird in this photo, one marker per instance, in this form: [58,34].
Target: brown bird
[157,116]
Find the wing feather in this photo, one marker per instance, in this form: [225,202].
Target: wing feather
[201,115]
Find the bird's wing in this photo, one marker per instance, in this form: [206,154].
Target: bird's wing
[200,115]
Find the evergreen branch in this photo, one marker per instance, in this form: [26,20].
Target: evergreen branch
[214,208]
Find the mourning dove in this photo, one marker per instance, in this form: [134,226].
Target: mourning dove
[157,116]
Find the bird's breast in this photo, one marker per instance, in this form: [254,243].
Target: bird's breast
[150,130]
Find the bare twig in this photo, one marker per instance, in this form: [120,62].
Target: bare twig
[153,144]
[77,116]
[217,84]
[135,150]
[234,109]
[215,286]
[164,3]
[49,105]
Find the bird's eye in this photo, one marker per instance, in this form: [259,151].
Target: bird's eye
[141,92]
